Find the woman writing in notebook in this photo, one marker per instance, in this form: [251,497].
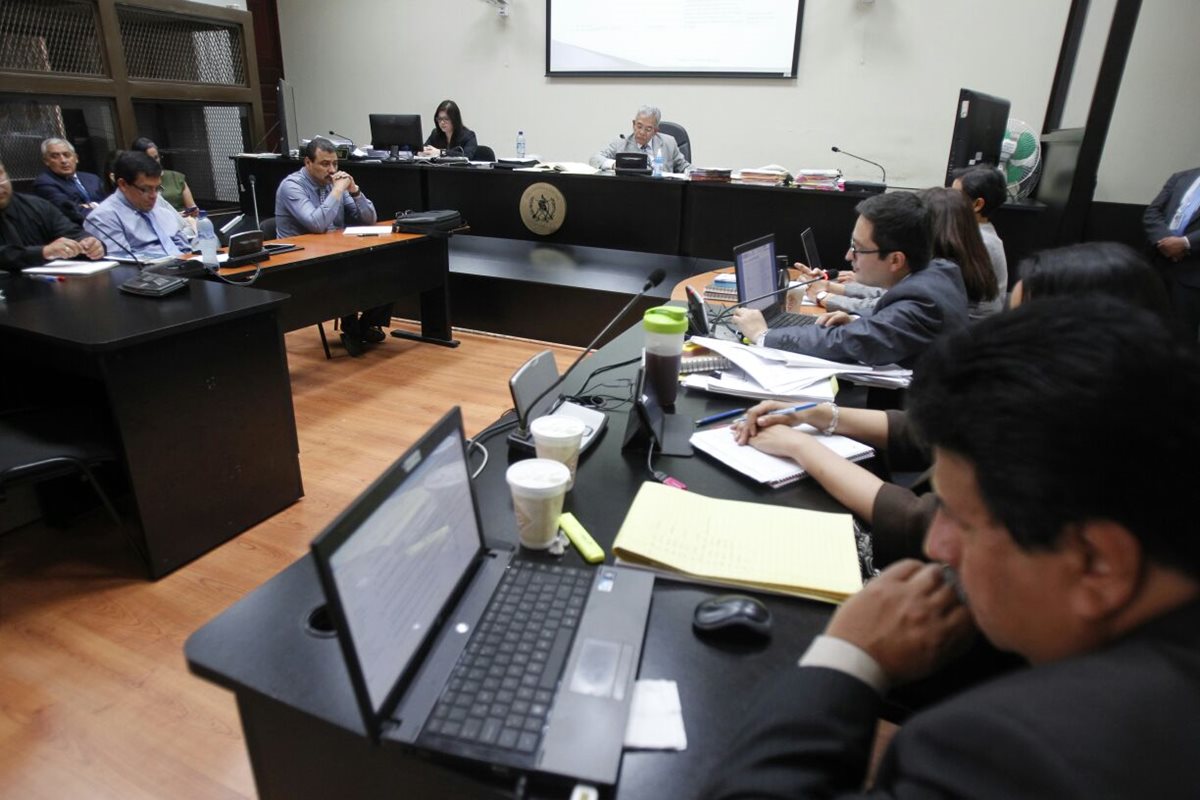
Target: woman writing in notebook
[449,136]
[898,516]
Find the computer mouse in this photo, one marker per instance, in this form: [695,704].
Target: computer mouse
[732,614]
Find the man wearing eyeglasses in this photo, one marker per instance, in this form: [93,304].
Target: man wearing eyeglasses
[32,231]
[646,139]
[135,222]
[891,248]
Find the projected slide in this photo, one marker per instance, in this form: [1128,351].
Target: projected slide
[706,37]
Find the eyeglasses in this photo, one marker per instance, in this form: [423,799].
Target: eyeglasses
[145,190]
[440,120]
[640,128]
[860,252]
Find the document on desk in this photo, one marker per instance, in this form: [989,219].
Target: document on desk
[765,468]
[367,230]
[64,266]
[772,548]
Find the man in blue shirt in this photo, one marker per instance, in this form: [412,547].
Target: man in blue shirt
[135,222]
[72,192]
[319,198]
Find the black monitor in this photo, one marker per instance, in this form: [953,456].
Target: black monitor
[979,125]
[289,126]
[401,131]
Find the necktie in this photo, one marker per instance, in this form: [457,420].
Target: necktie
[83,193]
[168,246]
[1187,209]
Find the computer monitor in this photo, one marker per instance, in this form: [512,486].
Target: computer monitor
[979,126]
[289,126]
[402,131]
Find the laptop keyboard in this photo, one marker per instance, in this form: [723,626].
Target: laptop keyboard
[501,689]
[786,319]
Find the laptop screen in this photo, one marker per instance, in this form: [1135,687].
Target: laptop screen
[398,555]
[754,263]
[812,258]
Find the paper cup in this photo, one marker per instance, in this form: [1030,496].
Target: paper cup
[538,486]
[558,438]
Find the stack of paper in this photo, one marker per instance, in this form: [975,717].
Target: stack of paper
[771,548]
[711,175]
[64,266]
[786,375]
[770,176]
[764,468]
[723,288]
[829,180]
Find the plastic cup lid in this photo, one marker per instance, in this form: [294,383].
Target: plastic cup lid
[551,427]
[538,477]
[665,319]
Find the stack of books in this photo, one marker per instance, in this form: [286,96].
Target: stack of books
[722,289]
[826,180]
[710,174]
[767,176]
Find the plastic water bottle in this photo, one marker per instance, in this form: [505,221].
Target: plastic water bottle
[208,240]
[520,144]
[658,164]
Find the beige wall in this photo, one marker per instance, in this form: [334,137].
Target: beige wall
[876,78]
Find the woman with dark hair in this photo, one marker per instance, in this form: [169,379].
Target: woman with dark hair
[956,238]
[174,184]
[1102,267]
[450,137]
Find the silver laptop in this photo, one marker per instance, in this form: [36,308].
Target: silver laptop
[462,651]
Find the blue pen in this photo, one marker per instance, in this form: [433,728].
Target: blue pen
[46,278]
[801,407]
[721,416]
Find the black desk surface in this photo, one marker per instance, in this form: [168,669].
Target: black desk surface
[260,649]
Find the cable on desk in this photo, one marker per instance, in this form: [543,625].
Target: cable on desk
[248,282]
[597,371]
[490,430]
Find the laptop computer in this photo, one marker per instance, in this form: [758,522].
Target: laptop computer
[757,275]
[417,600]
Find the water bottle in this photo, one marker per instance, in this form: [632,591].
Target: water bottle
[208,240]
[664,328]
[658,163]
[520,144]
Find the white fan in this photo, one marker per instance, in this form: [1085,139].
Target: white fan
[1020,158]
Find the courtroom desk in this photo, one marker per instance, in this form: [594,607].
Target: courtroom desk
[335,275]
[302,727]
[627,213]
[557,293]
[391,187]
[196,384]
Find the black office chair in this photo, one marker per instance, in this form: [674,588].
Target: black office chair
[43,443]
[680,135]
[484,153]
[267,226]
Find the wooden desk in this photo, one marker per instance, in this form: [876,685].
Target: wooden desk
[196,384]
[336,275]
[302,726]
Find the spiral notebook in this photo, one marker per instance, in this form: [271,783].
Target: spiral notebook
[771,470]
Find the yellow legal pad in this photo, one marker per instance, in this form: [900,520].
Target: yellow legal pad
[790,550]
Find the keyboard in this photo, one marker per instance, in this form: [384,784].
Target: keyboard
[500,691]
[786,319]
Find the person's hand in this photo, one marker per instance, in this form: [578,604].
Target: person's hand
[430,150]
[806,273]
[814,288]
[832,319]
[342,182]
[909,620]
[760,416]
[749,321]
[1173,247]
[847,276]
[775,439]
[92,248]
[61,248]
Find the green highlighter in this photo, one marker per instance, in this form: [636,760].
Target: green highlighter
[583,541]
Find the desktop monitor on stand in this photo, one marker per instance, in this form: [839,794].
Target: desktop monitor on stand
[979,126]
[289,125]
[396,132]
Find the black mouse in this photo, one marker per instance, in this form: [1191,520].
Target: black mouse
[734,614]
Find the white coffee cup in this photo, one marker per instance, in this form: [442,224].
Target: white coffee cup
[538,486]
[558,438]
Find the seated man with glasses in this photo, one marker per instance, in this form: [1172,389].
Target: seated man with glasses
[646,139]
[135,222]
[890,247]
[32,231]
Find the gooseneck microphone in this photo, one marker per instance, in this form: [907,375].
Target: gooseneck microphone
[652,280]
[254,202]
[729,309]
[865,185]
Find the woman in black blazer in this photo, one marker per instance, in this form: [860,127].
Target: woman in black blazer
[449,136]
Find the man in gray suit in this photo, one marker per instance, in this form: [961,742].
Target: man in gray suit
[646,139]
[1172,222]
[890,247]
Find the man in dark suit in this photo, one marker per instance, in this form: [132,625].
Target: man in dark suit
[72,192]
[1056,546]
[33,232]
[1172,225]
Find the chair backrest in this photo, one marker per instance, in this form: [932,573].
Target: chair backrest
[484,153]
[680,135]
[267,226]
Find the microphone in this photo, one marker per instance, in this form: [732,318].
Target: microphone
[108,232]
[652,280]
[729,309]
[864,186]
[254,201]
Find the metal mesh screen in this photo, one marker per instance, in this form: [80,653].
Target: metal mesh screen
[198,140]
[164,47]
[56,36]
[88,123]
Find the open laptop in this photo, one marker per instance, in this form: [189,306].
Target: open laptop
[416,598]
[757,275]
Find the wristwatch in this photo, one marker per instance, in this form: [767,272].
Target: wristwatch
[821,295]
